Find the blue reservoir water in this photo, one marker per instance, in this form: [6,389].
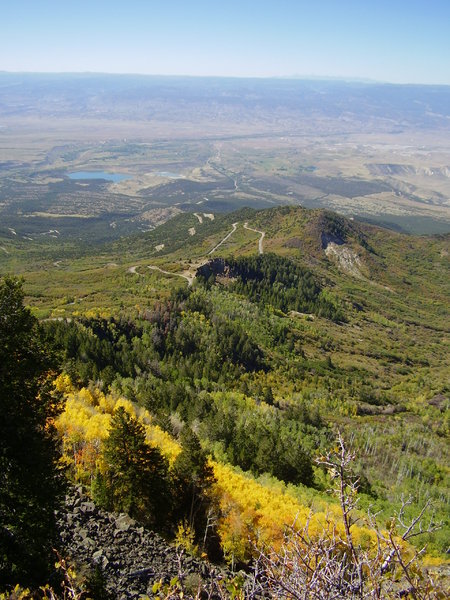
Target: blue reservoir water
[115,177]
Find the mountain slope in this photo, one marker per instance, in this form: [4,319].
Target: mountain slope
[230,351]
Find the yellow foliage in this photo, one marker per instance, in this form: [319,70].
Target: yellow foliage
[63,384]
[185,538]
[19,593]
[435,561]
[250,510]
[96,313]
[82,420]
[85,421]
[253,511]
[168,446]
[86,396]
[263,510]
[107,404]
[127,405]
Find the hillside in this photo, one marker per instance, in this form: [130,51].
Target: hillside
[265,332]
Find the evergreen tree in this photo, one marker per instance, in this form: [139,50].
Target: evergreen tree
[31,483]
[193,479]
[135,475]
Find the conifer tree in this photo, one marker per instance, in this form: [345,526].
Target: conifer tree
[30,481]
[193,479]
[135,475]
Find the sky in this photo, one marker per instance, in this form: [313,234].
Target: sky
[398,41]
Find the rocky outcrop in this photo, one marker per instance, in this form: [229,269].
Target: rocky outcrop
[130,557]
[216,266]
[347,259]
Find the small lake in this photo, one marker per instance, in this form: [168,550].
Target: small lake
[115,177]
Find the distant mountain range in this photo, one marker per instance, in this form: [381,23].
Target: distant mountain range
[141,96]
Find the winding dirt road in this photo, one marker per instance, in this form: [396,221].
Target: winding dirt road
[189,278]
[262,233]
[224,239]
[188,275]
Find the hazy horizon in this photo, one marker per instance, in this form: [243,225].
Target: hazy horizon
[386,42]
[299,77]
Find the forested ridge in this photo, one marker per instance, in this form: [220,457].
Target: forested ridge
[276,281]
[207,410]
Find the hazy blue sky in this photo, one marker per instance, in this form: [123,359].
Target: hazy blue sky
[388,40]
